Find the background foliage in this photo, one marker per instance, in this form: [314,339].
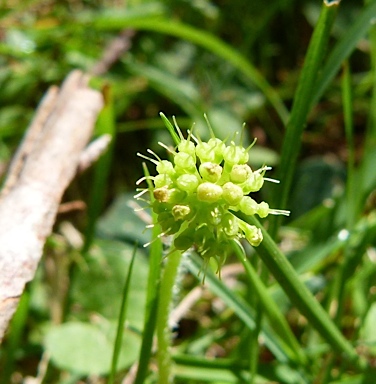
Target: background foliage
[237,62]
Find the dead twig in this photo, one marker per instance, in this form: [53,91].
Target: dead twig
[43,167]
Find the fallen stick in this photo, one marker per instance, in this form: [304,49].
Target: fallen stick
[43,167]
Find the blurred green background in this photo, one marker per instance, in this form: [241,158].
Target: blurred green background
[238,62]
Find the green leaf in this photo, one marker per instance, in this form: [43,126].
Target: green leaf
[97,283]
[86,349]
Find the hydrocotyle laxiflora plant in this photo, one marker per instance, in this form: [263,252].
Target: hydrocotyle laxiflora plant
[196,195]
[197,192]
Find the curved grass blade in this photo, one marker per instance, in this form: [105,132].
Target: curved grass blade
[242,310]
[276,319]
[202,39]
[299,294]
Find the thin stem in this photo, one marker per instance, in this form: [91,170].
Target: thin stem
[163,328]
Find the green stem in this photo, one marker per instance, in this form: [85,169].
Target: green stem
[163,330]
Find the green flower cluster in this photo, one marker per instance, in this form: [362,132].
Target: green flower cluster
[197,192]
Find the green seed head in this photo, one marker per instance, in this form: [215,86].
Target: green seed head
[198,192]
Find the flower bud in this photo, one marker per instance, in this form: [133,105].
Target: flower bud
[180,212]
[218,147]
[205,153]
[177,196]
[162,180]
[162,194]
[232,193]
[187,183]
[166,167]
[252,234]
[248,206]
[185,161]
[209,192]
[210,171]
[240,173]
[188,147]
[235,154]
[263,209]
[253,183]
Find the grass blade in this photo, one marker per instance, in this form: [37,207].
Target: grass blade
[276,319]
[343,49]
[122,318]
[202,39]
[241,308]
[301,106]
[299,294]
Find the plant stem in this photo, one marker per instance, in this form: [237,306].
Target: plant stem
[163,329]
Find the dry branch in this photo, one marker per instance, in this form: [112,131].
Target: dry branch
[43,167]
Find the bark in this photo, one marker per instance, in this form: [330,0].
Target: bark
[46,162]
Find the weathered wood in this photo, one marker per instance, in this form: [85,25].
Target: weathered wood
[43,167]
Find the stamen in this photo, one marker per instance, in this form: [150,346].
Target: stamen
[190,134]
[144,200]
[177,128]
[264,168]
[144,178]
[271,180]
[166,148]
[148,158]
[141,193]
[152,241]
[154,154]
[279,212]
[252,144]
[163,234]
[140,209]
[210,127]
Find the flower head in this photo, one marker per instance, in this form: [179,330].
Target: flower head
[198,191]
